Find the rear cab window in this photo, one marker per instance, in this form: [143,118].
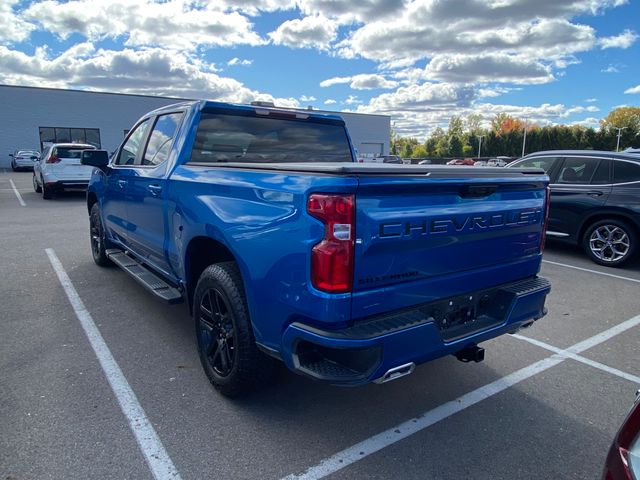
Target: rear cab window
[268,139]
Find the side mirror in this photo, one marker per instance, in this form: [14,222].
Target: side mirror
[95,158]
[11,155]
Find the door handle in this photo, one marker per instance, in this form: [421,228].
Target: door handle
[594,193]
[122,183]
[154,189]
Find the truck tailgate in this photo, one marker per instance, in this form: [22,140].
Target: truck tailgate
[422,237]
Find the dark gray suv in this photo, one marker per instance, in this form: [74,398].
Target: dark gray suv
[595,200]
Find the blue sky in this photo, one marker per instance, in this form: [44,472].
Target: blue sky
[420,61]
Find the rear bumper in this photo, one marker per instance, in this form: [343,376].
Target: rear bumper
[22,164]
[61,185]
[370,347]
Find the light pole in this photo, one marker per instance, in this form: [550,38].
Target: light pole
[619,135]
[480,137]
[524,139]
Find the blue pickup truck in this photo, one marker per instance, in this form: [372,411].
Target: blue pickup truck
[285,249]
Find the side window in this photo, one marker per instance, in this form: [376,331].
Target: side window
[541,162]
[626,172]
[577,170]
[602,175]
[131,147]
[161,139]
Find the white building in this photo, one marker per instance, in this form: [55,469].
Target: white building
[30,117]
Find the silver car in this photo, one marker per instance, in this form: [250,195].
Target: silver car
[23,159]
[60,169]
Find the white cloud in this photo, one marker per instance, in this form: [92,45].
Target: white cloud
[12,27]
[304,98]
[427,28]
[587,122]
[153,71]
[591,100]
[254,7]
[632,90]
[172,24]
[346,11]
[497,68]
[309,32]
[494,91]
[335,81]
[418,109]
[610,69]
[352,100]
[420,97]
[236,61]
[370,82]
[624,40]
[330,101]
[363,81]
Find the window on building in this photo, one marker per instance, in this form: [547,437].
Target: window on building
[50,135]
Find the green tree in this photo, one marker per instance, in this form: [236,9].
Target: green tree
[431,146]
[455,146]
[627,117]
[438,143]
[628,120]
[474,124]
[456,127]
[498,121]
[419,152]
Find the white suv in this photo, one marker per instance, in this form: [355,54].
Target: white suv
[60,169]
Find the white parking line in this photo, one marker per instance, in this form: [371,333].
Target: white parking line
[15,190]
[373,444]
[592,271]
[154,452]
[579,358]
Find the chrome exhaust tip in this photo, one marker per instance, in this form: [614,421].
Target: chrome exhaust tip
[396,372]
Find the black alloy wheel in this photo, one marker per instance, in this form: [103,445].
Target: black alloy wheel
[217,334]
[97,238]
[226,344]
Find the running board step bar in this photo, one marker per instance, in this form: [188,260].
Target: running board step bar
[145,277]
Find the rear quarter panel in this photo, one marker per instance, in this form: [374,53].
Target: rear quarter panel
[261,218]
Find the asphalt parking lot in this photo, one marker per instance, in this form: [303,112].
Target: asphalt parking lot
[544,404]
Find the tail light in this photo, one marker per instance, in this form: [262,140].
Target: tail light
[623,460]
[545,221]
[332,258]
[53,159]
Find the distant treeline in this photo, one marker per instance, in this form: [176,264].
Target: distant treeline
[506,135]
